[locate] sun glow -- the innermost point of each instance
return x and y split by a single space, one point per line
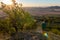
7 2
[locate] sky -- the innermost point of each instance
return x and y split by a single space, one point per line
39 3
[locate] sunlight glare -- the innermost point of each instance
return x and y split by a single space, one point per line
7 2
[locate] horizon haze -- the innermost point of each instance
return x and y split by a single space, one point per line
35 3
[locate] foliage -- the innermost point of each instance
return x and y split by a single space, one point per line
17 19
56 31
53 22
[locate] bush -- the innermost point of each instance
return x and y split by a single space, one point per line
17 19
56 31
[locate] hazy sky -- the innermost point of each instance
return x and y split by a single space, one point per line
39 3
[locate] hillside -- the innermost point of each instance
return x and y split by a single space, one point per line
43 11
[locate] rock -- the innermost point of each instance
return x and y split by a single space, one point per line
27 36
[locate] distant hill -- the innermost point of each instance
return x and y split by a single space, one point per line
54 7
37 11
43 10
2 15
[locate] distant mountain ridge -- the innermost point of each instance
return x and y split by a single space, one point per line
43 10
55 7
39 10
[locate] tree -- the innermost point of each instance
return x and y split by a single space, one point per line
18 19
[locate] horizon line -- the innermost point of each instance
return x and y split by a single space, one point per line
39 6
